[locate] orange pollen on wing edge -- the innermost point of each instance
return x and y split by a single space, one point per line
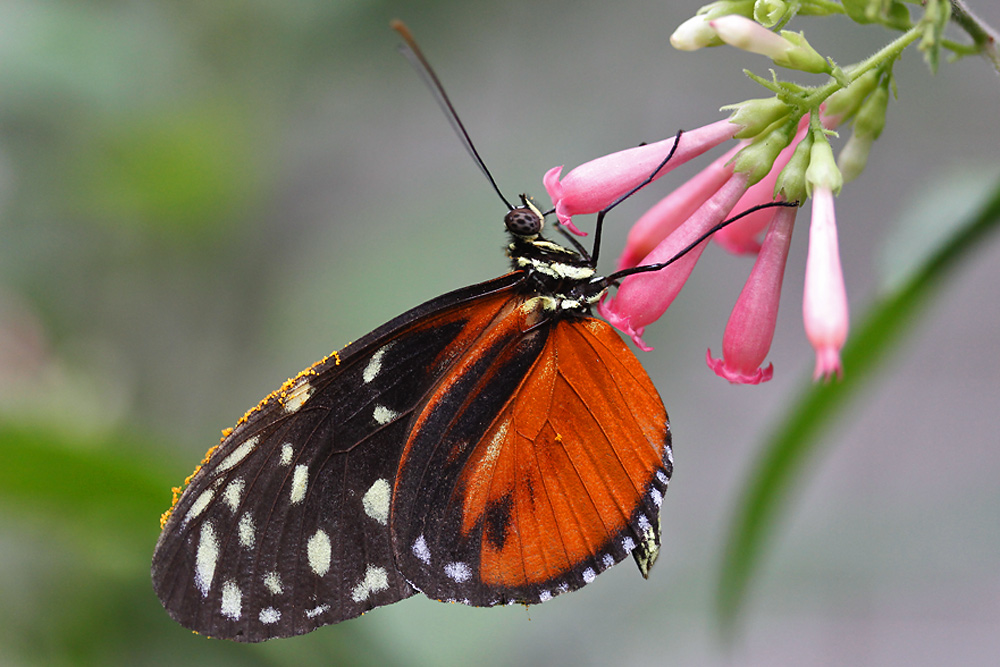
208 455
283 390
252 410
176 491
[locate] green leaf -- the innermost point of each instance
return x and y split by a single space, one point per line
795 441
93 484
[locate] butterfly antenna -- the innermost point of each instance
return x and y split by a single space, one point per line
416 57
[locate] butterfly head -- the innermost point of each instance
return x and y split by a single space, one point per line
525 221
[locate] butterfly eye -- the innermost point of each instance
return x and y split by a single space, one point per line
523 221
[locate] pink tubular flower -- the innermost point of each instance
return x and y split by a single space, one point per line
788 49
739 237
667 215
751 325
747 34
642 298
597 184
824 305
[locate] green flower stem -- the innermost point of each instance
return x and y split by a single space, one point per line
984 36
887 53
960 49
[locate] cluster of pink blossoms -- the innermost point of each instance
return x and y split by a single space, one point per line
728 185
783 155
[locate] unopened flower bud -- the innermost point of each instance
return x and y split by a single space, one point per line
853 156
757 159
822 172
769 12
789 49
802 56
755 116
694 34
791 183
845 102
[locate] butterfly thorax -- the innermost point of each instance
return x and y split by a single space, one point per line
561 277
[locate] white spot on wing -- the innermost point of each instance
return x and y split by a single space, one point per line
234 493
286 454
247 531
272 582
238 454
628 544
458 571
384 415
298 395
232 600
313 613
269 615
300 481
662 476
421 551
589 575
656 497
205 558
374 365
199 505
644 523
376 501
318 552
376 579
608 561
544 596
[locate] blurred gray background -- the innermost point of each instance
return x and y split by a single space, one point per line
197 200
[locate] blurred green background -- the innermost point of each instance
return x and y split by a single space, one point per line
198 199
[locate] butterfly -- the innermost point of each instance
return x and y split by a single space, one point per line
494 445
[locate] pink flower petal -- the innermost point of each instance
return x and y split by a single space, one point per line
750 329
746 34
595 185
642 298
664 217
735 377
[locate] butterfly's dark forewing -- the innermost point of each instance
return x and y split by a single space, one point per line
285 527
539 462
